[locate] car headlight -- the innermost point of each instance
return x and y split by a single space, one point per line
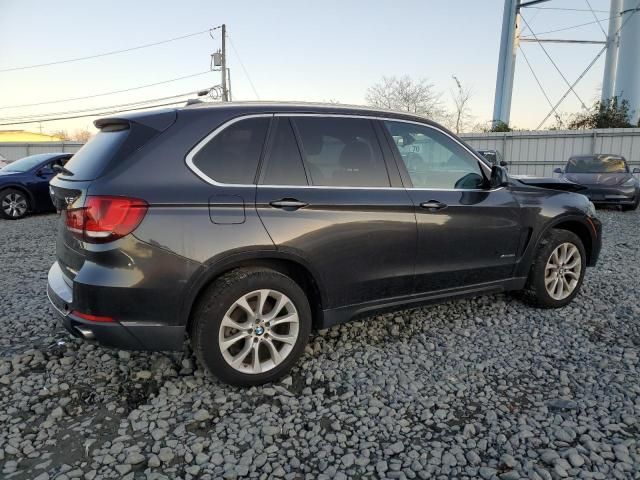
629 183
591 209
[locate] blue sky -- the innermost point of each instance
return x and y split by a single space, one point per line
293 50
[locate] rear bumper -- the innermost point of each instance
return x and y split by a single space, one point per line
121 335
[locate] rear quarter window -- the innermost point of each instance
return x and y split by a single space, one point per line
232 155
90 161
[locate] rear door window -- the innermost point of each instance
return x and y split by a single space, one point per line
284 165
89 162
342 152
232 156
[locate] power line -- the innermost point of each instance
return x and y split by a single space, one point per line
104 54
68 112
94 114
243 68
106 93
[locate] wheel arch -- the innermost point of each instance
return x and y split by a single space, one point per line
579 227
287 264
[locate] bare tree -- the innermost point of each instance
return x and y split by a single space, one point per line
82 135
461 98
383 93
61 134
404 93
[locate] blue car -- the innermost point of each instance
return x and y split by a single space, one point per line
24 184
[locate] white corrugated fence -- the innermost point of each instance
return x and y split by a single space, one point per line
13 150
538 153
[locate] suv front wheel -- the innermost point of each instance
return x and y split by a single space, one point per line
557 271
251 326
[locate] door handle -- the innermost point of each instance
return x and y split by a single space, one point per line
433 205
288 204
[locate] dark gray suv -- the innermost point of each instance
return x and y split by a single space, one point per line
244 226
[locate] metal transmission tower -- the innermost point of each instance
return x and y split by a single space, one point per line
611 61
627 80
622 69
507 61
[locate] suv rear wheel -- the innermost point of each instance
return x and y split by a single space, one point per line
13 204
557 271
251 326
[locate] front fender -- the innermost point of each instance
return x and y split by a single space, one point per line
580 224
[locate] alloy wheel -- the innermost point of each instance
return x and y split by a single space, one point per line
259 331
14 205
562 271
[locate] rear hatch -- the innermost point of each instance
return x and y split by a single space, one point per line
118 139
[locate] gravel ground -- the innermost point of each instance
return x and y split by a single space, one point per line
482 388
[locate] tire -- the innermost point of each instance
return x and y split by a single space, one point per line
220 302
14 204
535 291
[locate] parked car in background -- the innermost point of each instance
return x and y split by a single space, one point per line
245 225
494 157
607 178
24 184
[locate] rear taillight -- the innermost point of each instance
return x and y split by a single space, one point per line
93 318
105 219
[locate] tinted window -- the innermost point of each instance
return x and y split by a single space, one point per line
232 156
596 165
91 159
342 152
284 166
433 159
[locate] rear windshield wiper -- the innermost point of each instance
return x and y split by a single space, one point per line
63 171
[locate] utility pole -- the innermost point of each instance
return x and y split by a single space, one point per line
223 66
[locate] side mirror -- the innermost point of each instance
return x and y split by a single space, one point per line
557 170
636 170
499 177
504 163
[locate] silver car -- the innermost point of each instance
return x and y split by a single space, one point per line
607 178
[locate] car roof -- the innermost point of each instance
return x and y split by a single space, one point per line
247 108
303 107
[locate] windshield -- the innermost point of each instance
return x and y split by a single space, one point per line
596 165
27 163
489 155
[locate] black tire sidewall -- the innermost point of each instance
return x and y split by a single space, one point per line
9 191
553 239
218 299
